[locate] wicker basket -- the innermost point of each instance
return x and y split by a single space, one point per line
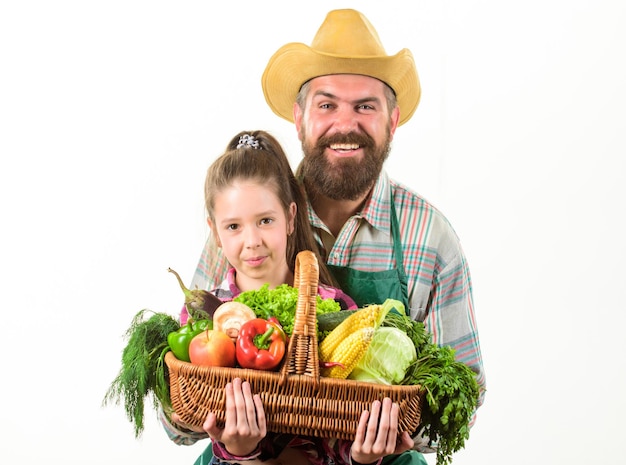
295 398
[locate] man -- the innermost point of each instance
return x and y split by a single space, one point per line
381 240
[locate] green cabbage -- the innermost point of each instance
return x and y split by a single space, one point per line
387 359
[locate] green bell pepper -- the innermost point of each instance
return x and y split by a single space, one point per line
179 340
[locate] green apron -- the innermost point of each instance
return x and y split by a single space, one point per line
410 457
206 457
374 287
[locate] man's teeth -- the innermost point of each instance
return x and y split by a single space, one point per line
344 146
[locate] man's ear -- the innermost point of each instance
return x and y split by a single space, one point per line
297 117
393 121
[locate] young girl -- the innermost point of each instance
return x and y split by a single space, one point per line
257 216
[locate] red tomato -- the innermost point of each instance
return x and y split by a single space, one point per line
212 348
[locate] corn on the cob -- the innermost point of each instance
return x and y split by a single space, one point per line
349 352
365 317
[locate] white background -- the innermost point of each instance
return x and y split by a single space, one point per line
110 113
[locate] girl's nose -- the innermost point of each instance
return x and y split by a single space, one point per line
252 238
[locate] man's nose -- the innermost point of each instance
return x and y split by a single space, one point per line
345 120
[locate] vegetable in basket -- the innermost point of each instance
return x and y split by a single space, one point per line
142 372
348 342
280 303
387 359
212 348
229 317
179 340
260 344
200 304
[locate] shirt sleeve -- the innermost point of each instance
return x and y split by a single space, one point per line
451 321
178 435
451 318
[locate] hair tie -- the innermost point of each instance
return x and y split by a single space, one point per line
248 140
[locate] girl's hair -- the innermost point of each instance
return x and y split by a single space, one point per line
258 156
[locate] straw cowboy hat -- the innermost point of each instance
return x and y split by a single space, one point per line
346 43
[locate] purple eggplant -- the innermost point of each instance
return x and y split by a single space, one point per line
200 304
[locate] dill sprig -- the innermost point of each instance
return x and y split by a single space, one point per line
143 372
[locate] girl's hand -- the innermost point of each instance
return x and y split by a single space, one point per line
245 420
377 433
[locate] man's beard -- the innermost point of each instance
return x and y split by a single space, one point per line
345 178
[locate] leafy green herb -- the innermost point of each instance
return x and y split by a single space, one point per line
280 302
450 387
143 371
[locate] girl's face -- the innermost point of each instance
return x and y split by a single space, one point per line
251 228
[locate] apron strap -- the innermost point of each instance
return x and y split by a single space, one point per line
398 254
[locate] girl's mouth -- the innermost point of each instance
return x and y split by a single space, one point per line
255 261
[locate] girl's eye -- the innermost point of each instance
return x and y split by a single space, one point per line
266 221
232 227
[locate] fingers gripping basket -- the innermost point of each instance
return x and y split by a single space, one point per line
295 398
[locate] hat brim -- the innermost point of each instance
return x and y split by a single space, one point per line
295 63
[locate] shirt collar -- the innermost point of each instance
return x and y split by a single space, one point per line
376 210
232 285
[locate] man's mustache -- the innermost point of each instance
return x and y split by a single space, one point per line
360 139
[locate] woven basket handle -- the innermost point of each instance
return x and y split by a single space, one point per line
302 355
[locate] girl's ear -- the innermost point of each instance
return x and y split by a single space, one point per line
214 232
291 220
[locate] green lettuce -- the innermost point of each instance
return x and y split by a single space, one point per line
281 302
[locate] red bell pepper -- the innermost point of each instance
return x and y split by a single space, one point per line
260 344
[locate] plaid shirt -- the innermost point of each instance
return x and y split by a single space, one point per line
439 282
